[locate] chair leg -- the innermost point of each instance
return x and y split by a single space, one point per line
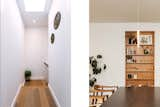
103 100
96 101
107 96
92 101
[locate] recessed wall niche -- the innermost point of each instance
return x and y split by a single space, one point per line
139 58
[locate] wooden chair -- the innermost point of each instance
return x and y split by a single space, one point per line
96 99
100 94
105 90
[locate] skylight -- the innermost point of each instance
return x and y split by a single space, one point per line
34 5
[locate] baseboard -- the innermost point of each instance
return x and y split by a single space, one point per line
37 78
33 78
23 83
54 96
15 98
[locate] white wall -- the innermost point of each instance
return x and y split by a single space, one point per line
108 39
79 53
0 49
36 51
59 53
12 53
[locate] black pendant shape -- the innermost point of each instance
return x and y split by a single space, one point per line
104 66
99 56
94 63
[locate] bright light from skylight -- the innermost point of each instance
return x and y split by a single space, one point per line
34 5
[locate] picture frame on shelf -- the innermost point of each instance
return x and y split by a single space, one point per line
145 40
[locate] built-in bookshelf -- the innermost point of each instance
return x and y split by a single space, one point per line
139 58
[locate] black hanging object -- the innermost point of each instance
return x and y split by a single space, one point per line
94 63
94 79
52 38
94 70
100 70
99 56
104 66
90 59
57 20
91 83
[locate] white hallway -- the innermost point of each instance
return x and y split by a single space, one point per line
25 44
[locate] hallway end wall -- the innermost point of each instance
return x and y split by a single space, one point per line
36 51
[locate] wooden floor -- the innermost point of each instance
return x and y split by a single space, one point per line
35 94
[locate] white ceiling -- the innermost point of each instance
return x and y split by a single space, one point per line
124 10
40 17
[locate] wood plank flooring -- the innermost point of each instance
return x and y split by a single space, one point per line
35 94
36 83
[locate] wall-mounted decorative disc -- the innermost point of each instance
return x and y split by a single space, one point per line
57 20
52 38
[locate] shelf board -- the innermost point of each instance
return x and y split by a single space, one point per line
139 63
137 45
140 71
131 45
138 55
140 79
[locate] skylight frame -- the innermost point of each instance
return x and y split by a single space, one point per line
34 5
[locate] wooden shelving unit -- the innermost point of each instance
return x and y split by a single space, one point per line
139 58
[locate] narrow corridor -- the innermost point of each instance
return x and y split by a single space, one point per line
35 44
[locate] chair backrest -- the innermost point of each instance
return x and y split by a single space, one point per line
102 86
101 94
106 88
